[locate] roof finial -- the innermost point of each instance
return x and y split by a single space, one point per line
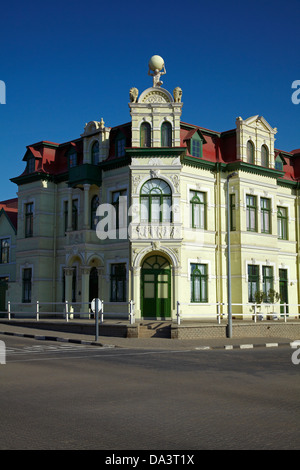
157 65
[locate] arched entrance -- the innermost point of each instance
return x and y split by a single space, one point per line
93 284
156 287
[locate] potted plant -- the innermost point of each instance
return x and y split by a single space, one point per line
273 298
259 297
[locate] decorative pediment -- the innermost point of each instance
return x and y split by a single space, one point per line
196 133
259 122
155 95
93 126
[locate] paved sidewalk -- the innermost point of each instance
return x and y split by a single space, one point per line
144 343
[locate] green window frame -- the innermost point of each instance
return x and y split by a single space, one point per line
31 165
265 211
74 282
145 135
250 152
95 153
72 158
115 200
264 156
282 223
196 148
29 220
4 247
120 146
253 281
232 212
65 216
75 214
94 206
156 201
118 282
251 213
283 289
278 164
198 209
26 285
267 280
199 283
166 134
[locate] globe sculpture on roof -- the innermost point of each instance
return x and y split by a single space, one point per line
157 66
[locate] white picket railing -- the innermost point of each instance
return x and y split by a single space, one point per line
254 316
69 309
113 309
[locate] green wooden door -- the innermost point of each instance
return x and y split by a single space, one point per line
156 288
3 289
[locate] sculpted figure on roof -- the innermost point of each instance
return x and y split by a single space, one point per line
177 93
133 94
157 65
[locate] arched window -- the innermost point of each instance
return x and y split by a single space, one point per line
145 134
250 152
264 156
94 218
166 134
156 201
95 153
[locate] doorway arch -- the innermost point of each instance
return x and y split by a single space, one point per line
93 284
156 287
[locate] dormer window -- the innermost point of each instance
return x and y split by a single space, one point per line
196 147
120 147
72 158
278 164
31 165
120 143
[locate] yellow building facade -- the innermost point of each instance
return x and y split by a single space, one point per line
165 184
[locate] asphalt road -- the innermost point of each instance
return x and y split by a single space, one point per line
68 396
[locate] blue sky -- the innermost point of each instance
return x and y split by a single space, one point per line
66 63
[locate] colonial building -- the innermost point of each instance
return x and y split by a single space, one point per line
8 230
165 182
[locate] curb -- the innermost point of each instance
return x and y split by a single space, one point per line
292 344
56 338
247 346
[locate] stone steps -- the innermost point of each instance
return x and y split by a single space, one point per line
155 330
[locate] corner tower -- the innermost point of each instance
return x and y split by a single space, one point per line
155 113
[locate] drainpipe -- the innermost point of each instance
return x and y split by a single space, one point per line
229 326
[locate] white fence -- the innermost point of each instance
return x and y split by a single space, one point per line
184 311
291 311
71 310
